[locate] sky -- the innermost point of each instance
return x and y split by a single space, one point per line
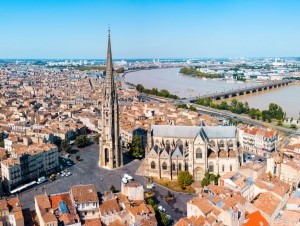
77 29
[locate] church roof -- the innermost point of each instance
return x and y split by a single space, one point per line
175 131
210 132
220 131
177 153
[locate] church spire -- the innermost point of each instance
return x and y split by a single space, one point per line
109 64
110 146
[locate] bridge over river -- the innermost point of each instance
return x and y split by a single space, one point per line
242 91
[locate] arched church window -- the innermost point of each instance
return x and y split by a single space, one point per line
173 166
164 166
179 167
153 165
198 153
221 144
179 144
230 144
186 166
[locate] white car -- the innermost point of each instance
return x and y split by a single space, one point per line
161 209
69 174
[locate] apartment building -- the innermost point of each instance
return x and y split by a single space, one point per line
86 200
11 212
28 162
257 140
43 211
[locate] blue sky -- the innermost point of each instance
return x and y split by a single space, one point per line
149 29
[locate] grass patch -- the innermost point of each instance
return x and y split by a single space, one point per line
173 185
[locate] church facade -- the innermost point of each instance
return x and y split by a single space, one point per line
196 149
110 146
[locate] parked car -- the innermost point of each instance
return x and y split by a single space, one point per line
161 209
41 180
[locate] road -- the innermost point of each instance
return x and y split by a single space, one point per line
218 113
88 172
238 117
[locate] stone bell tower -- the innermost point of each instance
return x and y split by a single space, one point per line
110 149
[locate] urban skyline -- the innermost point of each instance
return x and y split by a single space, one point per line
151 29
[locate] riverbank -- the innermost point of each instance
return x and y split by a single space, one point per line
186 86
196 73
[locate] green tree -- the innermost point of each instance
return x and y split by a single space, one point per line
257 114
276 111
164 219
154 91
2 144
204 182
252 113
208 178
192 108
164 93
65 146
184 179
150 202
140 88
136 147
81 141
279 123
246 107
233 105
224 105
96 139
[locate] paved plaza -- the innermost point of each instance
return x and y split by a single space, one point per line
87 171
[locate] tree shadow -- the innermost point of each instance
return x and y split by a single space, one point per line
127 158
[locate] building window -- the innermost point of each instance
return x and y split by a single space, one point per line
179 167
186 166
198 153
211 167
152 165
173 166
230 167
223 167
164 166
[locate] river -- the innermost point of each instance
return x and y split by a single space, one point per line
287 97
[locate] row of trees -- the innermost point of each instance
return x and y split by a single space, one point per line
80 142
156 92
235 106
194 72
162 218
210 178
184 106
